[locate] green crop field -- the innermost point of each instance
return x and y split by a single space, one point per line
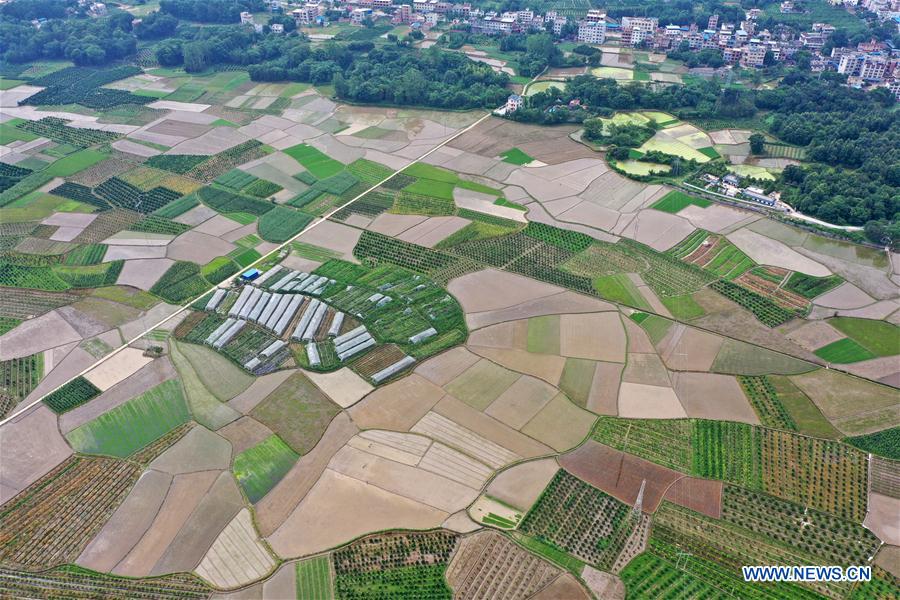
314 579
619 288
885 443
180 282
88 254
282 223
75 393
683 308
134 424
844 351
809 286
675 201
74 163
314 160
219 269
878 337
516 157
259 468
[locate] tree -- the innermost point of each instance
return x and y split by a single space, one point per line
194 54
757 143
168 53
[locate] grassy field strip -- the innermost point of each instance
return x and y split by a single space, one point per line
284 244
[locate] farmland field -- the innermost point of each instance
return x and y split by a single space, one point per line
401 565
780 463
49 523
508 364
134 424
579 519
314 579
259 468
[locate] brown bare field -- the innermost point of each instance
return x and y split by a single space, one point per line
701 495
638 342
604 585
647 369
258 390
489 428
488 565
814 335
511 334
396 406
51 522
882 518
192 540
520 485
619 474
30 446
199 450
543 366
521 401
362 508
411 482
604 396
550 145
343 386
555 304
713 396
688 349
565 586
598 336
244 433
275 506
128 523
444 367
888 558
185 493
490 290
641 401
560 424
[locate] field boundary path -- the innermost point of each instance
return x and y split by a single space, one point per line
319 220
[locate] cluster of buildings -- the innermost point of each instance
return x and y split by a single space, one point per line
731 186
743 44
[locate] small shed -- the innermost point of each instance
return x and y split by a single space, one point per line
250 274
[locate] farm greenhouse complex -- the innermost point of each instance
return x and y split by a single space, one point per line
420 300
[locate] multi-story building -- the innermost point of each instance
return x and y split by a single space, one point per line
873 68
713 22
636 30
382 4
869 68
754 54
813 39
493 24
591 32
404 13
306 14
850 63
595 16
514 102
732 55
246 18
